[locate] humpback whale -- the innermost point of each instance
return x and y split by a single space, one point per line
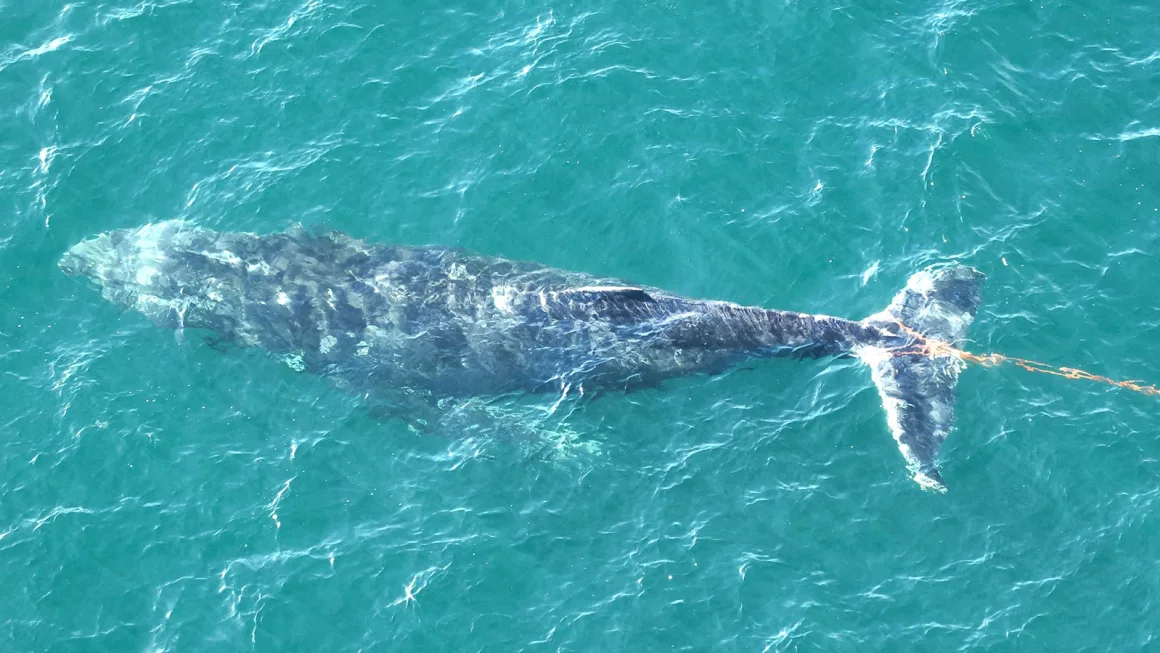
444 322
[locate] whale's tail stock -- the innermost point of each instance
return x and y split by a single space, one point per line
915 372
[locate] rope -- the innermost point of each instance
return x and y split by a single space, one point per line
938 348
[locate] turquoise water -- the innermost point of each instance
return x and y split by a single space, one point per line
159 495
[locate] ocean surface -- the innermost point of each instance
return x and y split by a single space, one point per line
157 494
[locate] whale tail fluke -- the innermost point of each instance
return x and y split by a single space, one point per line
918 388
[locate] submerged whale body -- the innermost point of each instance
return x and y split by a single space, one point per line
444 322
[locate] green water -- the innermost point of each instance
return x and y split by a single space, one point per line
159 495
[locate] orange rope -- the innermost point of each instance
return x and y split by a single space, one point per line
936 348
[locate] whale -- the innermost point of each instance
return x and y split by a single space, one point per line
439 322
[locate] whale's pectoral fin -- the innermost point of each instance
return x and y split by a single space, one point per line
420 411
915 380
223 343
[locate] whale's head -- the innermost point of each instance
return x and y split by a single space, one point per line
144 269
99 258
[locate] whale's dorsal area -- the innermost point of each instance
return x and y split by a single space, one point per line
609 293
445 322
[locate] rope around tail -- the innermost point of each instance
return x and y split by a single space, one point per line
938 348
